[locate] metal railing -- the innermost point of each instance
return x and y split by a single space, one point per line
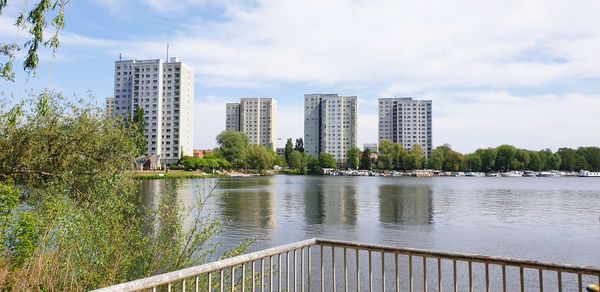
331 265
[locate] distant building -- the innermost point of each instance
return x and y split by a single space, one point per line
330 124
280 151
109 105
165 91
199 153
406 121
256 117
371 146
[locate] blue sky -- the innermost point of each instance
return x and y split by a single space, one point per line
520 72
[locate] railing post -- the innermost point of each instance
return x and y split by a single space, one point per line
383 271
357 272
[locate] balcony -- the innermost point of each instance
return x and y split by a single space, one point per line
329 265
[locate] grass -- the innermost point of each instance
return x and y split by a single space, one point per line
172 174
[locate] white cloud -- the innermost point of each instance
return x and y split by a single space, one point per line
441 43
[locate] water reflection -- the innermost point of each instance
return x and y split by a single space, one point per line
330 203
405 204
248 202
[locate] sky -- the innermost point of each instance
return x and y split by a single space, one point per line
525 72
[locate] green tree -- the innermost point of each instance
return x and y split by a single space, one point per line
365 160
568 159
233 146
436 159
312 164
472 162
76 223
353 158
416 158
504 157
35 21
592 156
488 159
139 126
299 145
259 158
298 161
326 160
289 148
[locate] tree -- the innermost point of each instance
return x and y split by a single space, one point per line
312 164
259 158
299 145
326 160
504 157
365 160
233 146
353 158
416 158
472 162
36 22
70 213
298 161
568 159
436 159
289 148
488 158
592 156
139 124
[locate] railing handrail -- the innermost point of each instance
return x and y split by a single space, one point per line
186 273
463 257
174 276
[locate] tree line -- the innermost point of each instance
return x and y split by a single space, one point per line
393 156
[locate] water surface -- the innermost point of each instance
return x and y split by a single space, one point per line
548 219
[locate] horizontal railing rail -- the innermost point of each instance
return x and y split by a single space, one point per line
329 265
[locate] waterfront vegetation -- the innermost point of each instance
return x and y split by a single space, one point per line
71 216
235 153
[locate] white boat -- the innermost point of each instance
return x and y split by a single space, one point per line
550 174
514 173
491 174
529 173
585 173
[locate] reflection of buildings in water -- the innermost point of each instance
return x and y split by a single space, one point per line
334 203
249 202
406 204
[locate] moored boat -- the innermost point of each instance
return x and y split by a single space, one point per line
585 173
514 173
529 173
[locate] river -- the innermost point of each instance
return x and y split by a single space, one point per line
547 219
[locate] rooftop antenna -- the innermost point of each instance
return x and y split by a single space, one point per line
120 57
167 52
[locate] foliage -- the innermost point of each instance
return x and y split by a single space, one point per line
326 160
289 148
365 160
416 158
233 146
353 158
208 162
299 145
35 20
312 164
259 158
298 161
139 124
75 221
392 155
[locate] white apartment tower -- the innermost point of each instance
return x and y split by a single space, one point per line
110 105
406 121
165 91
256 117
330 124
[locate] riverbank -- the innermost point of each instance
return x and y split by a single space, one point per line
173 174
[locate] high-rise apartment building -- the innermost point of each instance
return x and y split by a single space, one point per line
330 124
109 105
165 92
256 117
406 121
